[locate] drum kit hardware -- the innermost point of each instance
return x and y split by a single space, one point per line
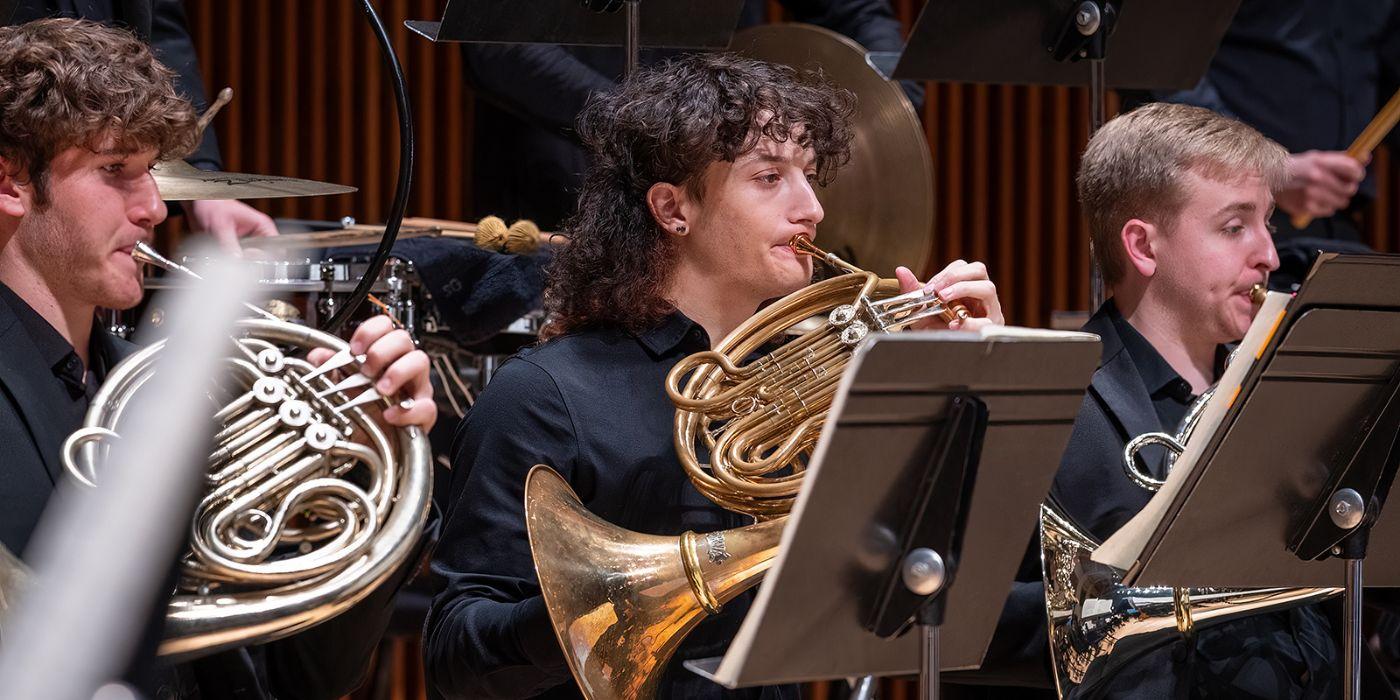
308 289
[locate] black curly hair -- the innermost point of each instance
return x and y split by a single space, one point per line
668 124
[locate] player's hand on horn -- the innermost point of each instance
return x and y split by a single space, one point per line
399 369
962 281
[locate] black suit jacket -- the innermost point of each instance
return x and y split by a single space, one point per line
161 23
31 432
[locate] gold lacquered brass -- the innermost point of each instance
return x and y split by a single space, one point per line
760 421
621 602
1257 294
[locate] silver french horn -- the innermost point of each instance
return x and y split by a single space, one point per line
309 502
1095 623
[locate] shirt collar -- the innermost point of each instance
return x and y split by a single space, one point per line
671 332
1157 374
54 350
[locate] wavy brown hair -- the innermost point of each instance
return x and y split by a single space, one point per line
668 124
66 83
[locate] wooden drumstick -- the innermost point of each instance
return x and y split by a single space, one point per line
222 99
1366 142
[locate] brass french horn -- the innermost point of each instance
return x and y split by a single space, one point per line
621 602
1095 623
309 502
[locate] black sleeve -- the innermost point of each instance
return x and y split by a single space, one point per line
488 634
170 39
1017 653
871 23
541 83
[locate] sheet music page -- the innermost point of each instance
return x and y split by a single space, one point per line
1013 332
1125 546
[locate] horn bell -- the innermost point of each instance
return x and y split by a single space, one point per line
1096 624
621 602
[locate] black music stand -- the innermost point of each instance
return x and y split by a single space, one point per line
889 507
1031 43
1036 43
1291 485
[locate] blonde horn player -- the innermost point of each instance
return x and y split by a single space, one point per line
1178 201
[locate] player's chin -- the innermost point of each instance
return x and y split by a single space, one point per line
793 277
122 294
1238 325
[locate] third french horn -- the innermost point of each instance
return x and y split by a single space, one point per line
1096 624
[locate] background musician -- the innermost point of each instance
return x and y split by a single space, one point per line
1308 74
1178 200
85 111
529 158
161 23
703 169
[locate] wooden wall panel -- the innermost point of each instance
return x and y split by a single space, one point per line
311 100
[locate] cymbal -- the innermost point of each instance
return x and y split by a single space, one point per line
179 181
879 208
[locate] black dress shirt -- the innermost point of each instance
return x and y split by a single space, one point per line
592 406
1288 654
1171 395
55 352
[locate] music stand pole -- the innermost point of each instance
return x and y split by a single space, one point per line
634 36
1084 37
1341 519
1351 648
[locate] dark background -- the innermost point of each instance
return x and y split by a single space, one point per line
311 99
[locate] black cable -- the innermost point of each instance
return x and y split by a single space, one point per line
405 180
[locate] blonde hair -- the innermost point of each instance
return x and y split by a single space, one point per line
1135 168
